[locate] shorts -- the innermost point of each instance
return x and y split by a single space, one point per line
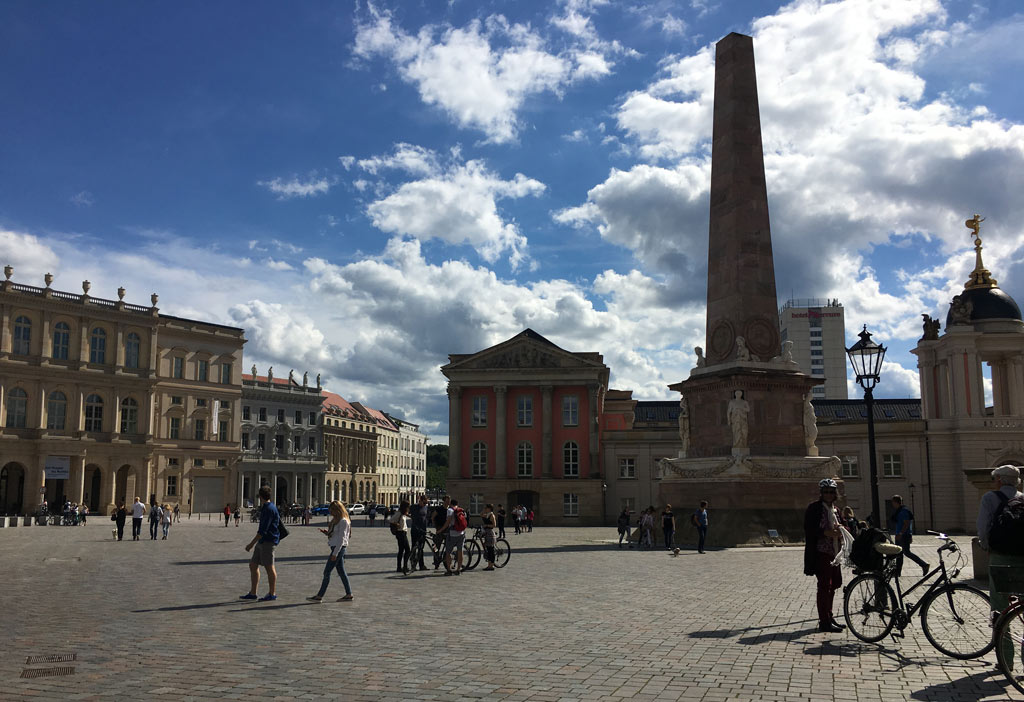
453 542
263 554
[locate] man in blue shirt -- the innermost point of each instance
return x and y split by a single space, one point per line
902 528
700 518
264 542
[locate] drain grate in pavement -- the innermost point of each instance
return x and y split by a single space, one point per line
55 658
47 672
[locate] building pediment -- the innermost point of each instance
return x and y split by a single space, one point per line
524 351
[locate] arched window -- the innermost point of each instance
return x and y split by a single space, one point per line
56 410
17 408
524 460
61 341
98 346
479 460
571 460
344 496
94 413
361 486
132 345
129 416
374 486
22 336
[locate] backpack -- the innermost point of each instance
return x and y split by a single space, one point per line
395 528
1006 535
693 519
623 521
863 554
459 521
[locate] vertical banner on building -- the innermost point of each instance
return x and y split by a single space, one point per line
57 467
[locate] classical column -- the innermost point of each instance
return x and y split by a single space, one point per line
594 470
77 492
454 431
119 351
295 487
45 337
108 484
546 420
500 433
41 413
35 478
273 487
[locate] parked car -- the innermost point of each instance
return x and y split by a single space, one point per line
356 508
321 509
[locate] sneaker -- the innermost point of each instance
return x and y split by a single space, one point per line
247 596
315 598
268 598
346 598
489 568
449 572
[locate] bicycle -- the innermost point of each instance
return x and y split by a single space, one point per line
955 616
1008 632
502 550
470 551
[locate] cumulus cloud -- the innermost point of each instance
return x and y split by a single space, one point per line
480 74
285 189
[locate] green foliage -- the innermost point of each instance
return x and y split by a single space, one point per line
437 466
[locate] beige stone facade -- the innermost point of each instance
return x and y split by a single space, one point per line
97 382
350 441
412 459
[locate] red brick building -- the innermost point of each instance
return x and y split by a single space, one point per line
525 423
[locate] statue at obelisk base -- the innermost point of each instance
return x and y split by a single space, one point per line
749 446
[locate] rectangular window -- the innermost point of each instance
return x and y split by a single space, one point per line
225 373
849 466
892 465
524 460
222 431
312 444
200 402
172 485
815 333
479 460
817 352
245 440
261 442
570 411
203 371
476 503
312 419
298 417
172 461
175 399
479 418
175 427
200 429
198 462
246 413
524 411
263 414
178 367
570 505
628 503
627 468
222 463
280 416
571 460
279 443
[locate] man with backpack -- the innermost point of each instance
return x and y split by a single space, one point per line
456 523
1001 528
901 524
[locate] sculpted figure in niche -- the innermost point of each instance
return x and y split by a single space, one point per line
931 328
701 361
810 425
960 310
684 426
737 413
786 356
742 352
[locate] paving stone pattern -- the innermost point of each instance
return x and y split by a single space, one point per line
572 617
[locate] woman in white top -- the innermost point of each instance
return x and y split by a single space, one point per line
338 531
400 528
165 519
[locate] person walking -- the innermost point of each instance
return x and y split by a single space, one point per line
177 513
901 525
372 514
138 512
262 546
490 523
700 520
85 513
120 517
623 526
501 522
400 528
337 532
529 520
517 519
155 515
420 513
823 540
165 520
647 528
668 526
227 515
237 512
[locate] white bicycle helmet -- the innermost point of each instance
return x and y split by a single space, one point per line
827 483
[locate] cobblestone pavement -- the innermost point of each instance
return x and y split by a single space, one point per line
572 617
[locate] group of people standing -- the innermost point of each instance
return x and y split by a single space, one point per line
646 522
160 518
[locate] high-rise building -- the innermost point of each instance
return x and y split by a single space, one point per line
817 329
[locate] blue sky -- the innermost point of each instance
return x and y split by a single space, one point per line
369 187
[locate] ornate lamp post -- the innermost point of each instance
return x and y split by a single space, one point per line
866 358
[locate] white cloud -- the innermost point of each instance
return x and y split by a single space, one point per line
28 255
83 199
277 265
296 187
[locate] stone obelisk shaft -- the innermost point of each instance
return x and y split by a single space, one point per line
741 272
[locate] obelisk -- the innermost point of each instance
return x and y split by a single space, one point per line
741 271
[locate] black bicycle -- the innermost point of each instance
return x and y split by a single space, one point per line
1009 625
475 549
470 551
955 616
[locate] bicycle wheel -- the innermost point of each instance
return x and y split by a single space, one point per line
501 553
868 607
470 554
956 620
1009 642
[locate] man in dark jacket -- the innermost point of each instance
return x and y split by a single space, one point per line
822 533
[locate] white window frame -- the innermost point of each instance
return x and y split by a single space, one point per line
570 411
524 411
570 461
478 418
892 465
570 504
849 466
524 459
627 468
478 460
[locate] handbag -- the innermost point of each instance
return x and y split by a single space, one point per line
113 517
282 531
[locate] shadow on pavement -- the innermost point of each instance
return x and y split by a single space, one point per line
981 685
727 633
185 607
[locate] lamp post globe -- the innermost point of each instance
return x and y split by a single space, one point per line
866 359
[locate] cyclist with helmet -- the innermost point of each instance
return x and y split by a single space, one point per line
823 540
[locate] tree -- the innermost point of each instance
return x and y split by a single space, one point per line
437 466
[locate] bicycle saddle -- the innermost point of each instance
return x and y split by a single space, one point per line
887 549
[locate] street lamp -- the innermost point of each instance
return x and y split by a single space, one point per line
866 358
